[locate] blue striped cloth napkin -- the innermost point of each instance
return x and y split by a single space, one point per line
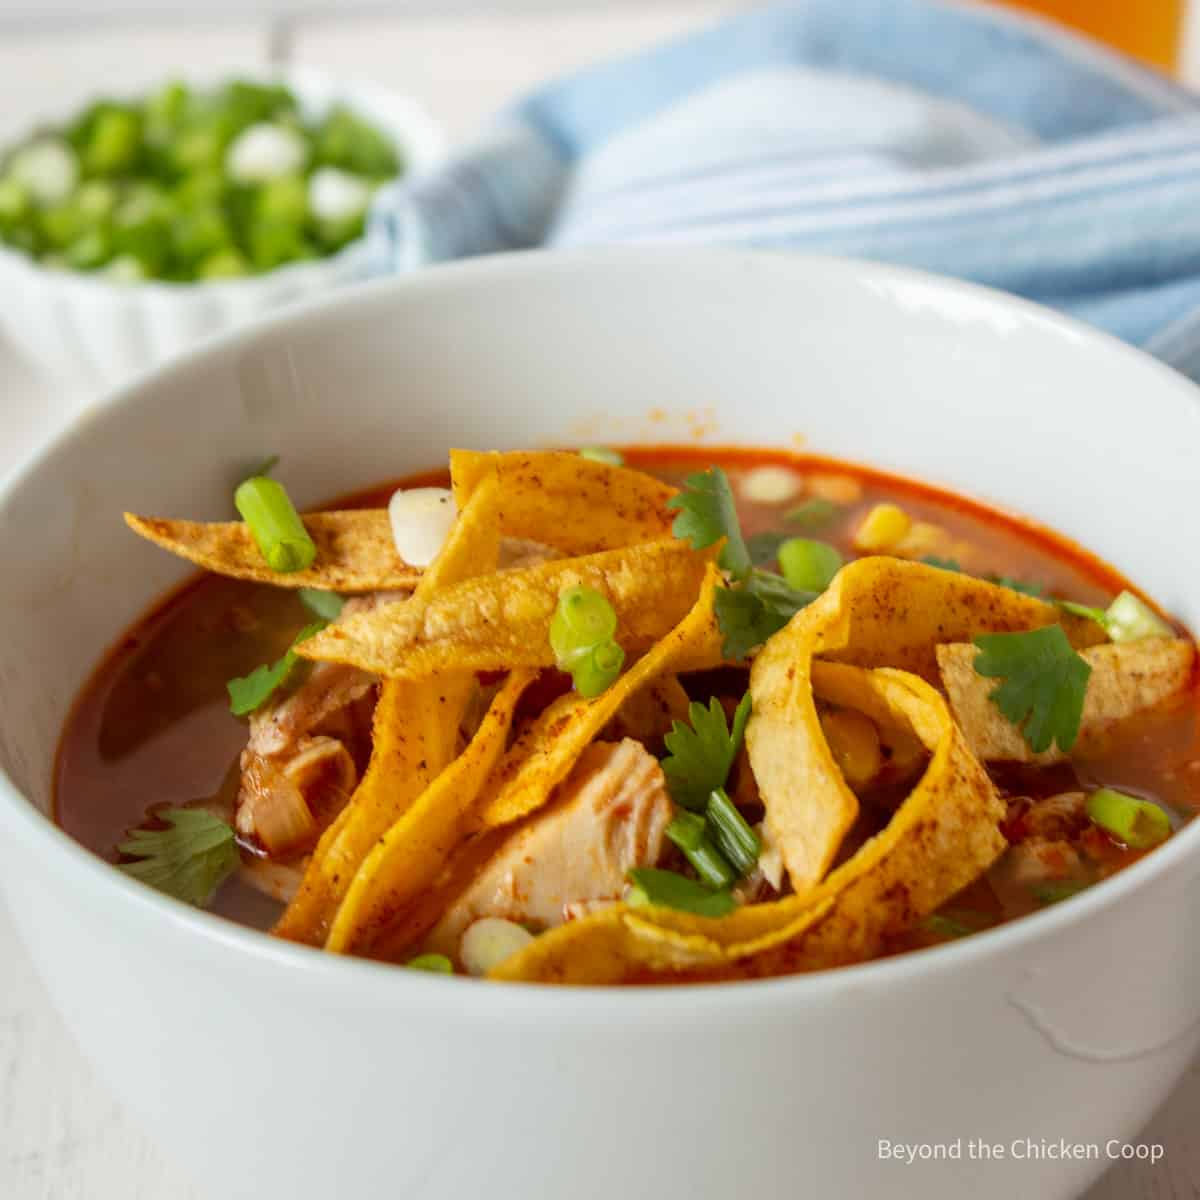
957 137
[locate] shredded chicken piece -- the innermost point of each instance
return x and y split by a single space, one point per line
301 760
609 816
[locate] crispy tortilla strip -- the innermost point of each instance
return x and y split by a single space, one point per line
411 854
355 551
941 838
414 737
574 504
1125 679
546 753
500 621
878 612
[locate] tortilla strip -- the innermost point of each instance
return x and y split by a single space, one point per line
409 856
877 612
1125 679
575 504
941 838
502 620
546 753
649 713
414 737
355 551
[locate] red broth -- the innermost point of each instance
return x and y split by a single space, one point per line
152 727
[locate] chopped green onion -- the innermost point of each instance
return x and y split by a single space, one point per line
689 832
1086 611
1139 824
602 454
323 604
945 926
1131 620
812 514
807 565
671 890
732 834
439 964
595 672
582 619
1025 587
275 524
251 691
1057 890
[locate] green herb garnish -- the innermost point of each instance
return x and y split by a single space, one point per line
275 525
1023 586
1045 682
731 833
582 637
189 859
1126 619
602 454
323 604
439 964
1056 891
672 890
813 514
708 513
809 565
944 564
758 603
701 756
945 926
689 832
250 691
1136 823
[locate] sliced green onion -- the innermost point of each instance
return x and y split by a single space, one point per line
945 926
323 604
595 673
812 514
252 691
275 524
732 834
807 565
1086 611
1130 620
1139 824
690 833
671 890
437 963
583 619
1057 890
602 454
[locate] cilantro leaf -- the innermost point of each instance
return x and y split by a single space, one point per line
251 691
707 514
1045 682
701 757
189 859
764 547
1018 585
323 604
944 564
1085 610
812 514
750 614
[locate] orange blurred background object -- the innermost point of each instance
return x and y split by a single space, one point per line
1151 30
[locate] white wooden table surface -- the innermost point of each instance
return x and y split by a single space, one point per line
62 1137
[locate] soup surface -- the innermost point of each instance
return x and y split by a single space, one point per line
153 731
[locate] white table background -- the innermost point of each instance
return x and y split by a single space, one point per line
62 1136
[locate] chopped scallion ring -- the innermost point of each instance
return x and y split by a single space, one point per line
439 964
595 673
1139 824
582 638
808 565
1130 620
275 525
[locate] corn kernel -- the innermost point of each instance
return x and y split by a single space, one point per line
854 742
883 528
770 485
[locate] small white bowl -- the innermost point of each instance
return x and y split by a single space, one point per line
92 332
270 1068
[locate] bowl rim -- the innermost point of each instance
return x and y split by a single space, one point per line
35 833
409 125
